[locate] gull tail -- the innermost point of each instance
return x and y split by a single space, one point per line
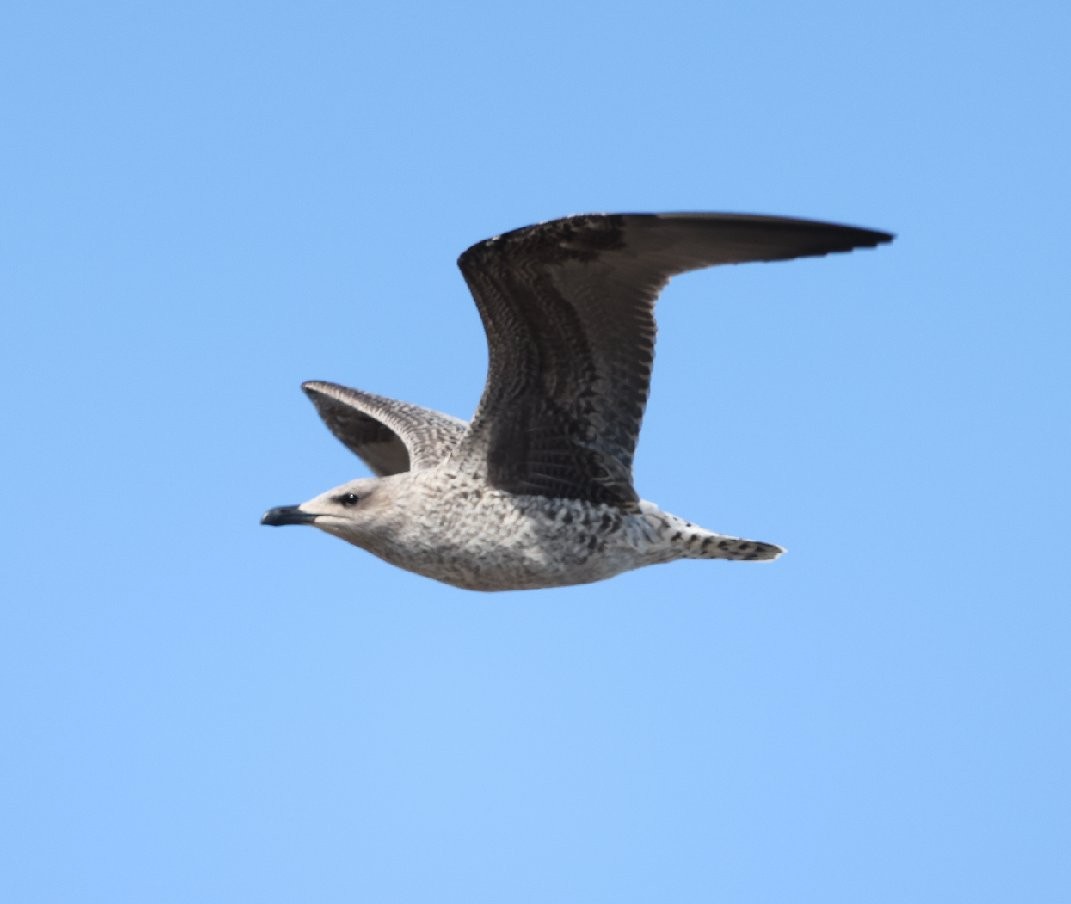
704 545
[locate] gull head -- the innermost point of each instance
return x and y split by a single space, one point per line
353 511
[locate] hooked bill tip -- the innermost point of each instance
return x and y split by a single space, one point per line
286 514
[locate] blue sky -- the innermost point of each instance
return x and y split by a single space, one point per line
204 204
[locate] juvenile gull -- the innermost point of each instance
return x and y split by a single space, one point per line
537 490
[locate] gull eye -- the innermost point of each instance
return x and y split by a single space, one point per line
348 499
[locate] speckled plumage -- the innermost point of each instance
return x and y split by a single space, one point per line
537 490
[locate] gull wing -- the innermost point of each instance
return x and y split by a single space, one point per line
390 436
568 307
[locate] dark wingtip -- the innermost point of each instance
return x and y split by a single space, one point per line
875 237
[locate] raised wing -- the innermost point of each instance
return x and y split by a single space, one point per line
568 307
390 436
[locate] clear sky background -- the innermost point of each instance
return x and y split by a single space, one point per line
204 204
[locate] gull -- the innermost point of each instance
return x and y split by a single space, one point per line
536 490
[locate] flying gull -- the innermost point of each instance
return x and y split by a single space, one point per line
536 491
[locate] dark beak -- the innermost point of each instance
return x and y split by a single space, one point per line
286 514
